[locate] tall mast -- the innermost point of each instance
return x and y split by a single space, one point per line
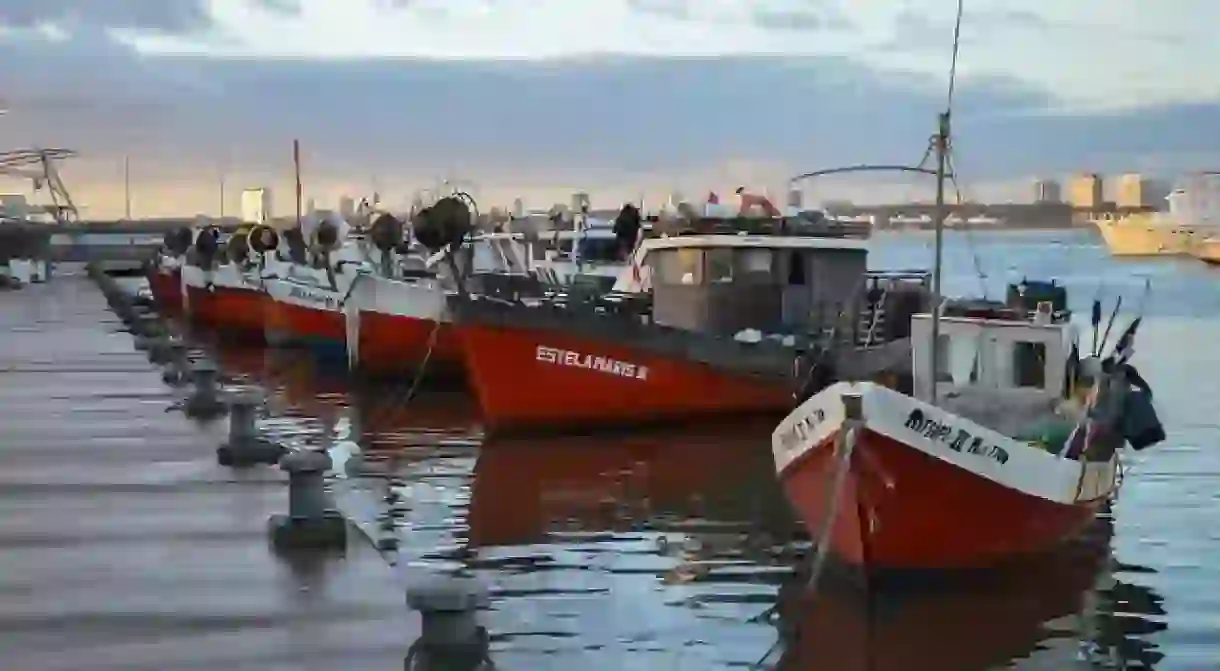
942 162
942 152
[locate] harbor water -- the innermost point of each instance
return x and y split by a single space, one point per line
675 549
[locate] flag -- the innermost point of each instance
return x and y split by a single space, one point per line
712 198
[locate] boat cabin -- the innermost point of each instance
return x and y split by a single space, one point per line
1011 353
789 280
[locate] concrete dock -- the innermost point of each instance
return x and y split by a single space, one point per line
124 546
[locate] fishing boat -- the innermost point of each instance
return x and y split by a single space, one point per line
397 321
164 270
1008 456
704 322
307 291
222 280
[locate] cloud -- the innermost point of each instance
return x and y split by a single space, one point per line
171 16
613 124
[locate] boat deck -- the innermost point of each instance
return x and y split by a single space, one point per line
126 547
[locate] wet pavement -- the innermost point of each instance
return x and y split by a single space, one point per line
124 546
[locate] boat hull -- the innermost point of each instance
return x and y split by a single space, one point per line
541 379
301 313
400 328
1207 251
925 491
1133 237
224 300
166 287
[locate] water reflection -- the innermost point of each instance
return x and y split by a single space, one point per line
658 550
535 491
1061 611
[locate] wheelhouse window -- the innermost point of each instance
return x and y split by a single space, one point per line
719 266
755 265
599 250
678 266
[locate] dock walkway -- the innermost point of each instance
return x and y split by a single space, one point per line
125 547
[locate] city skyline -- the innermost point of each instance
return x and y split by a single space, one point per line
523 99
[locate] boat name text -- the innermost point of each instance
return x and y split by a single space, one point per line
324 299
563 357
957 440
799 432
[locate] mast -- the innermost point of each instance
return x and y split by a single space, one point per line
296 167
942 151
942 160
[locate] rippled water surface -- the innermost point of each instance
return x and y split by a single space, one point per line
668 550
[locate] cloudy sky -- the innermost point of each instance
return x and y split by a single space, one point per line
618 97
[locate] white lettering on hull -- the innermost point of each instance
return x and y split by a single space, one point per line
601 364
324 300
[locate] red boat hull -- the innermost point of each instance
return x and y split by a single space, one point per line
397 345
903 510
288 323
166 287
531 380
228 309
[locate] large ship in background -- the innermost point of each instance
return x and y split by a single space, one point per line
1193 216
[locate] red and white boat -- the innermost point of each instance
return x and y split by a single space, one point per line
306 299
223 288
704 328
397 320
967 466
165 270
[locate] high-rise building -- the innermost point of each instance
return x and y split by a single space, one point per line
1135 190
1047 191
1087 191
518 210
256 205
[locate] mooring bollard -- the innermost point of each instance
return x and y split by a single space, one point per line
451 637
177 368
204 401
387 525
147 325
245 447
311 522
162 349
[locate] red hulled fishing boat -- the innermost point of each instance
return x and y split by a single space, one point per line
704 323
223 283
966 466
165 270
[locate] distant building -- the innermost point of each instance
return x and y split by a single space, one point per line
1087 192
347 207
1047 191
518 209
256 205
1135 190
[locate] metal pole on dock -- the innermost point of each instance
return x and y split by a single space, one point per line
126 188
296 166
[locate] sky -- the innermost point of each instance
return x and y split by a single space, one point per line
621 98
